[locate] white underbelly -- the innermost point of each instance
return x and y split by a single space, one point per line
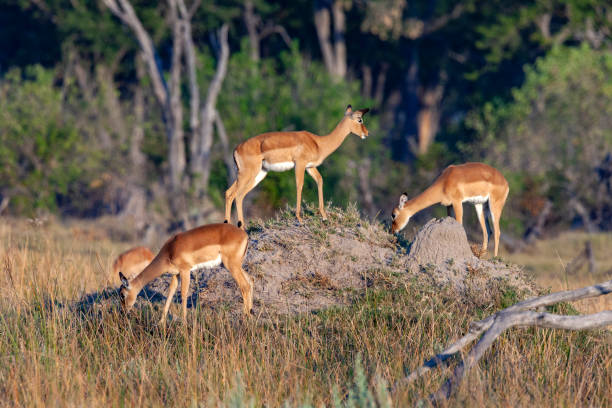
476 199
279 166
207 264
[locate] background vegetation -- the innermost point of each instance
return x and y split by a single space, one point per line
118 117
85 130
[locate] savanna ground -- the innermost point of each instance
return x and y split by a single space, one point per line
56 351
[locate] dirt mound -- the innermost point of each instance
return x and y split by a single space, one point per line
302 267
441 251
316 265
440 240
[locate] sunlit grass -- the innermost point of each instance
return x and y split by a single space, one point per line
547 259
57 352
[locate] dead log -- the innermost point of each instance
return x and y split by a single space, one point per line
517 315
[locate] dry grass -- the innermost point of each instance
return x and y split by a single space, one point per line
56 352
547 259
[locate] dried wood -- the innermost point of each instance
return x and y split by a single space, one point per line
517 315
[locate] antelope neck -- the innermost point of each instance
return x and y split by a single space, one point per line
426 199
144 277
334 139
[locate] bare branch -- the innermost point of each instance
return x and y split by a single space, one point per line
536 229
416 28
251 20
506 320
322 24
228 158
123 10
201 149
339 42
190 61
270 29
4 203
192 10
479 327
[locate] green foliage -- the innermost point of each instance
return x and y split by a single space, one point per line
41 151
555 130
292 93
532 26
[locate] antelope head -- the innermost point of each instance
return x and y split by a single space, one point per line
356 121
400 215
128 296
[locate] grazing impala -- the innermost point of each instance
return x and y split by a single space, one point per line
280 151
132 261
203 247
476 183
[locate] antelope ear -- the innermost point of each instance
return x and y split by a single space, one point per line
364 111
124 282
348 111
402 200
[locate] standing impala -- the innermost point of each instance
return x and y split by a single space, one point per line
280 151
132 261
203 247
476 183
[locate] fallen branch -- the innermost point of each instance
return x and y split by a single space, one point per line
517 315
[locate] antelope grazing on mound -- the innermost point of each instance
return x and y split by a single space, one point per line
203 247
131 262
280 151
476 183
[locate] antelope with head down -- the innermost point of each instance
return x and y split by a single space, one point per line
476 183
203 247
131 262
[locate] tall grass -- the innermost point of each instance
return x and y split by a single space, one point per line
546 261
55 351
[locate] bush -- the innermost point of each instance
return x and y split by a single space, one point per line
551 136
42 154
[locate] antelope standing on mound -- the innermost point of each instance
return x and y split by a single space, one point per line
280 151
476 183
203 247
132 261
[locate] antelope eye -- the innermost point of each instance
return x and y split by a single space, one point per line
393 216
360 120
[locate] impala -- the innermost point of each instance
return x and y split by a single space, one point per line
132 261
280 151
203 247
476 183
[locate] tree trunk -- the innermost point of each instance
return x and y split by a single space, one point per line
106 86
409 108
332 48
137 200
381 79
339 42
250 21
201 155
428 117
176 139
228 156
366 85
